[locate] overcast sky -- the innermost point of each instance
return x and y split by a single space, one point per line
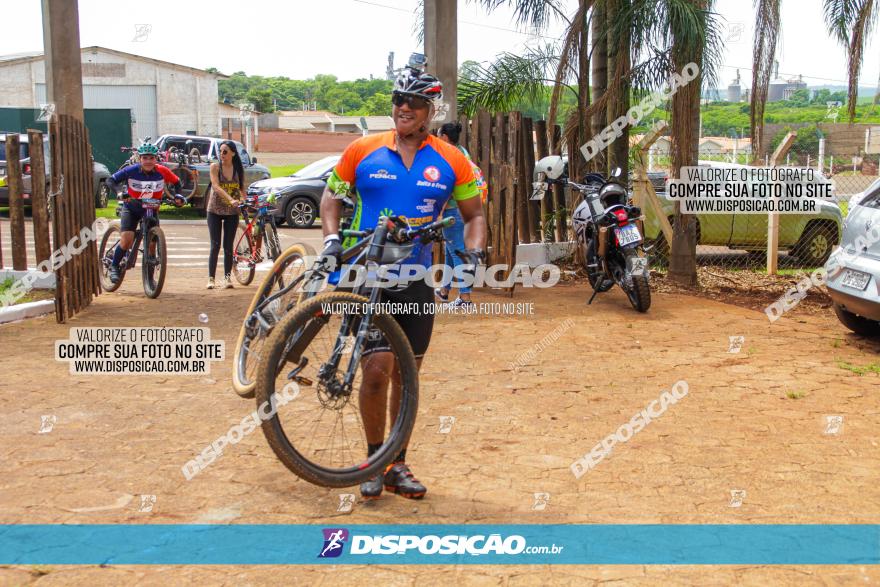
352 38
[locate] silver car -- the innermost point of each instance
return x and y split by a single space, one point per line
853 270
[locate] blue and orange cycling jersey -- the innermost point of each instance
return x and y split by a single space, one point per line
142 184
372 170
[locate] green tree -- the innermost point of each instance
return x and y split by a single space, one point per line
261 98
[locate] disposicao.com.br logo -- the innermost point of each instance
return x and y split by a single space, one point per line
431 544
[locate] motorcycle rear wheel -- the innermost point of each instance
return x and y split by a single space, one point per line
640 293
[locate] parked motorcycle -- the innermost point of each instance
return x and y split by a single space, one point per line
608 230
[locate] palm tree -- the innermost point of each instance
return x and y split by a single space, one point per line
635 46
850 22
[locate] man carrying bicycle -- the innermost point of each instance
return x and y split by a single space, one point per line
407 173
144 180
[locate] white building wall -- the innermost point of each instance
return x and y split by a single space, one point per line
17 86
185 100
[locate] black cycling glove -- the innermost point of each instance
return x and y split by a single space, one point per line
331 256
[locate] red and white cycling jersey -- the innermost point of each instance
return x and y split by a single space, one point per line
145 185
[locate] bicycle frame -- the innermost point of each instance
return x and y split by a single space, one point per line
146 223
376 241
259 218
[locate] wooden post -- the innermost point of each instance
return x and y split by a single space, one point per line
773 217
441 42
518 160
643 190
559 211
39 206
16 202
487 165
63 62
541 151
528 160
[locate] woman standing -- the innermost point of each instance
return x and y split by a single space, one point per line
227 183
454 235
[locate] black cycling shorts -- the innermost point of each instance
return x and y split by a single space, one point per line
415 322
131 215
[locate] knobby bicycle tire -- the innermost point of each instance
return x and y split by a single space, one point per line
152 288
243 386
399 434
104 276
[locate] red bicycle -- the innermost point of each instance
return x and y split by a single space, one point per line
259 229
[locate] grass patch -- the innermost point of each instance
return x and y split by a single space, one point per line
795 394
33 295
282 170
870 368
166 212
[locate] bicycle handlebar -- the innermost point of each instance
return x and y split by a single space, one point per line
405 233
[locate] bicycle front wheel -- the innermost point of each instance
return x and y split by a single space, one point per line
273 243
109 242
252 336
155 262
318 424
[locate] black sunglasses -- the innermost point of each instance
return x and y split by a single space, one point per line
414 102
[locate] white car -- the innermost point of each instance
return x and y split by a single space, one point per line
853 270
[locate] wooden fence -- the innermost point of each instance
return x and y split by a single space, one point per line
505 147
35 196
72 204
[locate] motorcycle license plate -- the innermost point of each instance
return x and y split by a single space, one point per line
151 203
628 234
856 279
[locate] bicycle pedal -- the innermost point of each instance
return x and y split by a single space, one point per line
303 381
294 373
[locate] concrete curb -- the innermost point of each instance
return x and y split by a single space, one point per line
28 310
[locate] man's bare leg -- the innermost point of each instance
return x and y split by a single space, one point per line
378 369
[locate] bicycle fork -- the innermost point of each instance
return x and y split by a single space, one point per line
332 365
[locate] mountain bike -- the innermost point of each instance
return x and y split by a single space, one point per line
319 345
254 232
154 263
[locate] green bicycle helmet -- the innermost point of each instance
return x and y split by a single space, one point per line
148 149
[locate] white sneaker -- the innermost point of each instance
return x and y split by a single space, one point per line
210 283
227 283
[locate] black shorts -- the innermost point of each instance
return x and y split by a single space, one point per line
415 322
131 215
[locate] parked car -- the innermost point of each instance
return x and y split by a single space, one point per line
299 195
810 237
210 151
100 173
853 271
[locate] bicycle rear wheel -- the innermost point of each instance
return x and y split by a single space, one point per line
154 265
109 242
317 426
252 336
243 267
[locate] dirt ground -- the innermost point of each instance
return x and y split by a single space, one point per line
279 141
753 420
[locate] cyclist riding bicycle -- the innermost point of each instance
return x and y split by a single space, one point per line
406 172
144 180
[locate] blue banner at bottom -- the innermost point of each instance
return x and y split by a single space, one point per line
600 544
